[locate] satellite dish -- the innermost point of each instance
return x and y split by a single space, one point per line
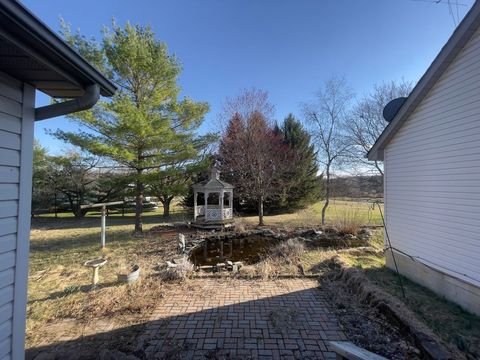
391 109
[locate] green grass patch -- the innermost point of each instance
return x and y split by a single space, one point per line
362 210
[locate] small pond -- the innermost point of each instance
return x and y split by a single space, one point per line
249 250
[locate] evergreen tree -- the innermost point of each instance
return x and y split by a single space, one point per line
175 180
302 187
145 125
43 193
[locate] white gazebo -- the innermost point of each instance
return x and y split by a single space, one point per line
215 215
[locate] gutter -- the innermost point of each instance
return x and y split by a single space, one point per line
90 98
45 41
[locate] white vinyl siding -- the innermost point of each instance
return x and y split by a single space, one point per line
432 173
16 132
10 128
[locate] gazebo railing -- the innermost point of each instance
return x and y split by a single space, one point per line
213 212
227 213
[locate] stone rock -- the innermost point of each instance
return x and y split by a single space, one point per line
171 264
309 233
269 232
331 231
181 239
365 234
239 264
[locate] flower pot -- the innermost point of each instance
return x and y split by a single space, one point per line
130 277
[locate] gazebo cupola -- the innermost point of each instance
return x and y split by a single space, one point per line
213 213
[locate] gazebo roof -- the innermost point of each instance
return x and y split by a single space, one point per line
213 182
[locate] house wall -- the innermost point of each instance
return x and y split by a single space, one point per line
16 142
432 184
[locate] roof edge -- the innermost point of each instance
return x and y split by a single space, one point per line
456 42
39 30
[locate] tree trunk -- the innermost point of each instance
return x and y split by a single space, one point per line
379 169
75 206
260 211
138 203
166 207
327 196
79 213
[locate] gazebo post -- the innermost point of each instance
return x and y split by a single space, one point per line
220 202
195 194
206 203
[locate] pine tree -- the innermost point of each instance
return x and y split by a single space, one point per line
303 185
145 126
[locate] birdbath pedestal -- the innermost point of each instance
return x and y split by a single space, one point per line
95 264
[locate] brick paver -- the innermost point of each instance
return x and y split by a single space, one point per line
243 319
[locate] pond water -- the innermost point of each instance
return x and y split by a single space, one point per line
249 250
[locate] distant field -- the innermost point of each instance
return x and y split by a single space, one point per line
359 209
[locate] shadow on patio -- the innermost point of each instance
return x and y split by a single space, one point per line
232 319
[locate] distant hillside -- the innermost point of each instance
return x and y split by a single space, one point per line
358 186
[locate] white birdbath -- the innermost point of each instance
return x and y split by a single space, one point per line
95 264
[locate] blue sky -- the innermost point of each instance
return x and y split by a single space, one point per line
287 47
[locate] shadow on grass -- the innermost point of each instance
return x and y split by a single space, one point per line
77 243
293 325
84 235
73 289
92 220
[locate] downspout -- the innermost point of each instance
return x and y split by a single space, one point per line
86 101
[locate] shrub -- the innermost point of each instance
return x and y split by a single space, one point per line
348 221
289 250
181 272
240 224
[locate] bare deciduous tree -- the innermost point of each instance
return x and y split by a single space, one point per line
366 123
327 116
245 104
252 155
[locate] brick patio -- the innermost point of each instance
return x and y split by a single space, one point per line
243 319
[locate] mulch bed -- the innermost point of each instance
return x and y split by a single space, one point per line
375 320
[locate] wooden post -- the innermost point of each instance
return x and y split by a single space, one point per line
104 213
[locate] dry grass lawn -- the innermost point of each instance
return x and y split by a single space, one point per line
60 300
59 284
